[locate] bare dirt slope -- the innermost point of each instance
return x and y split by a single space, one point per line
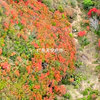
87 56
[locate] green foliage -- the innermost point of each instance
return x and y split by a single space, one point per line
89 94
1 41
96 4
73 3
67 96
55 98
83 41
97 32
20 26
57 63
65 81
63 16
78 63
45 70
47 2
84 98
89 89
87 3
70 34
60 8
52 10
77 78
85 92
53 23
30 84
97 68
23 48
22 70
2 84
93 92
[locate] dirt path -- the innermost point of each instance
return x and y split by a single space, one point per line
87 56
78 19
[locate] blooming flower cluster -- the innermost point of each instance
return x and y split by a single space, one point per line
91 11
94 10
95 21
81 33
99 43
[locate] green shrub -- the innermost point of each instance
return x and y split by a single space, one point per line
83 41
2 84
78 63
47 2
87 3
94 91
96 4
67 96
85 92
84 98
60 8
97 69
97 32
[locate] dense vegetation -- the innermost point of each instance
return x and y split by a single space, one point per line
36 50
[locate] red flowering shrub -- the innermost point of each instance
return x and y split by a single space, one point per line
81 33
93 10
97 13
62 89
94 22
26 29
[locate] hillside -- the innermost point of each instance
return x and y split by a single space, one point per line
49 50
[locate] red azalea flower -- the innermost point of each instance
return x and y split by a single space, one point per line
28 69
17 73
23 21
35 44
92 10
99 43
81 33
0 51
6 25
98 12
5 65
7 13
88 28
37 86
